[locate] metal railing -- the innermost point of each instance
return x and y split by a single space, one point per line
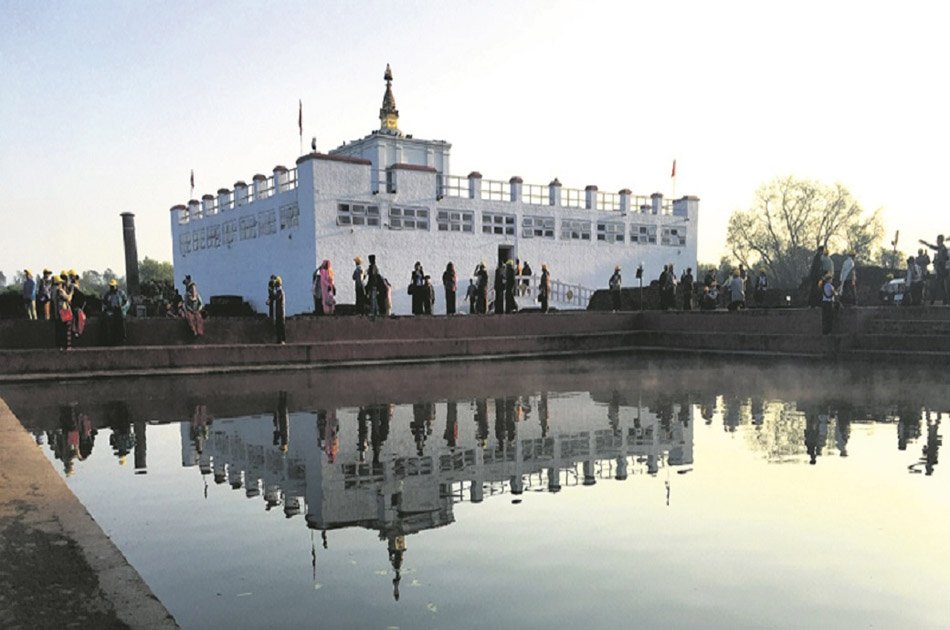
271 186
536 194
573 198
494 190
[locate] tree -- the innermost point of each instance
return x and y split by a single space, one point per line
790 218
155 270
3 280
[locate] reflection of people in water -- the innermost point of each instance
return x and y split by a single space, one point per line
543 414
328 429
65 441
451 434
929 451
843 428
122 439
481 422
282 423
422 416
816 432
908 424
613 412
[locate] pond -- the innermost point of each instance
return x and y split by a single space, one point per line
529 494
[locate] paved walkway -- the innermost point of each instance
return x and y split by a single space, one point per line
58 568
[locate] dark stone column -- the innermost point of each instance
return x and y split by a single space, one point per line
131 255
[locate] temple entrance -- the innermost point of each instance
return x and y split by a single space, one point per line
505 253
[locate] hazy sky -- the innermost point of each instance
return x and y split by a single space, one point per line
106 106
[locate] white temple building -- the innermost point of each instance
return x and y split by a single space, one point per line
394 196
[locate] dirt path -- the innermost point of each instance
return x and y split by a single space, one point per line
58 569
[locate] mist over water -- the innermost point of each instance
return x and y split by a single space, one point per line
537 494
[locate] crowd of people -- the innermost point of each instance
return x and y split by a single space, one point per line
920 282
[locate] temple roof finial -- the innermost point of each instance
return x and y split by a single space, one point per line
388 114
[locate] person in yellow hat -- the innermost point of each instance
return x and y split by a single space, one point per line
29 294
64 315
115 306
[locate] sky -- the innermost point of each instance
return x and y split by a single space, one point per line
107 106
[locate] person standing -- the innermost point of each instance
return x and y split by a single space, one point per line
416 291
450 284
848 281
736 291
499 288
374 285
316 289
63 314
278 307
192 307
359 285
428 296
270 297
686 286
510 284
481 286
614 284
471 294
77 301
526 278
544 288
44 294
828 294
115 306
814 278
29 294
327 288
914 284
941 271
761 285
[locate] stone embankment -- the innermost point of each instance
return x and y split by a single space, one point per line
163 346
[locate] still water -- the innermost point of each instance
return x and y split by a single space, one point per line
609 493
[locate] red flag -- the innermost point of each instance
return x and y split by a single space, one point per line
192 179
300 116
673 174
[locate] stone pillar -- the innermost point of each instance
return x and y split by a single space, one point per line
280 179
656 200
138 429
474 185
589 477
224 199
194 210
682 206
516 186
554 192
554 480
626 200
207 205
131 253
240 193
590 197
259 182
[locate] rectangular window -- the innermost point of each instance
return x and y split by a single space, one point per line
184 242
248 227
497 223
610 231
575 230
402 218
266 222
456 221
289 217
674 236
537 227
229 230
213 238
357 214
643 234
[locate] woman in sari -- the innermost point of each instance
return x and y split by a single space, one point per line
327 288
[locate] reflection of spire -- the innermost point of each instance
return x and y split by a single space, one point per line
397 547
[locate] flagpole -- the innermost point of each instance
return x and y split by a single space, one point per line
300 123
673 177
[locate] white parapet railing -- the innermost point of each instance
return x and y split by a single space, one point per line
564 295
280 182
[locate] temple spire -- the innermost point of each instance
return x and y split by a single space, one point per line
388 114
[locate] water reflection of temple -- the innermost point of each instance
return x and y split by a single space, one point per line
400 469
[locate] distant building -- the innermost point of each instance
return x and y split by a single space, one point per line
392 195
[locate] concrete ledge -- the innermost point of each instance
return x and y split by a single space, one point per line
97 588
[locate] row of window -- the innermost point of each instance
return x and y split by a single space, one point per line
248 227
502 224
